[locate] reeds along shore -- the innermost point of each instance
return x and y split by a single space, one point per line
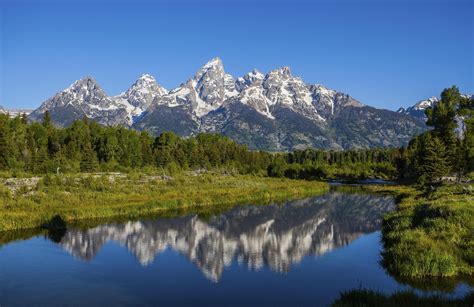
88 196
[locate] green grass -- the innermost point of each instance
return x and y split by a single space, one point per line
430 234
369 298
80 197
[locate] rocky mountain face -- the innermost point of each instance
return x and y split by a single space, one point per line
276 111
85 98
418 109
273 236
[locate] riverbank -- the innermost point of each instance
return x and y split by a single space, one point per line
92 196
430 234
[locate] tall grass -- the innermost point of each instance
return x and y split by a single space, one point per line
430 234
76 197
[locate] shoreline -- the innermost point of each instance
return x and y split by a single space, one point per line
99 198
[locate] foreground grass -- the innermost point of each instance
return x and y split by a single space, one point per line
79 197
370 298
430 234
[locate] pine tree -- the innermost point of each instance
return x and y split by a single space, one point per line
434 162
89 161
442 117
466 110
41 161
47 123
146 146
4 150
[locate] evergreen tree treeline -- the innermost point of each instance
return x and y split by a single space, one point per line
86 146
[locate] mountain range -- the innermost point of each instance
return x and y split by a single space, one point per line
275 111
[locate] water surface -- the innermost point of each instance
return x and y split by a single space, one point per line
300 253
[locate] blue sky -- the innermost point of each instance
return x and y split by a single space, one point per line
384 53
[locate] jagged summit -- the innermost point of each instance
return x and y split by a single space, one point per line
215 62
250 78
213 67
147 77
283 72
203 93
86 86
142 93
84 80
274 111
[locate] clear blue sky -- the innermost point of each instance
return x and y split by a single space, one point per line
384 53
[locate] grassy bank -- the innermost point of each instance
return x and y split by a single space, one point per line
430 234
370 298
77 197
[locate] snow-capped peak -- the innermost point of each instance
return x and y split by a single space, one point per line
418 109
249 79
86 85
426 103
146 84
281 87
147 78
85 90
205 92
281 72
139 96
214 62
209 87
214 66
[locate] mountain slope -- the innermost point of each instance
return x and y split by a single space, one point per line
86 98
370 127
276 111
418 109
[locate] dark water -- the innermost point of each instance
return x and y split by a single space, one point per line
301 253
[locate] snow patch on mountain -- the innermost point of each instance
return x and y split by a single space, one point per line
249 79
89 99
203 93
254 96
295 114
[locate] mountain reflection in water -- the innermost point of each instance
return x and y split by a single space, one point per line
276 236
